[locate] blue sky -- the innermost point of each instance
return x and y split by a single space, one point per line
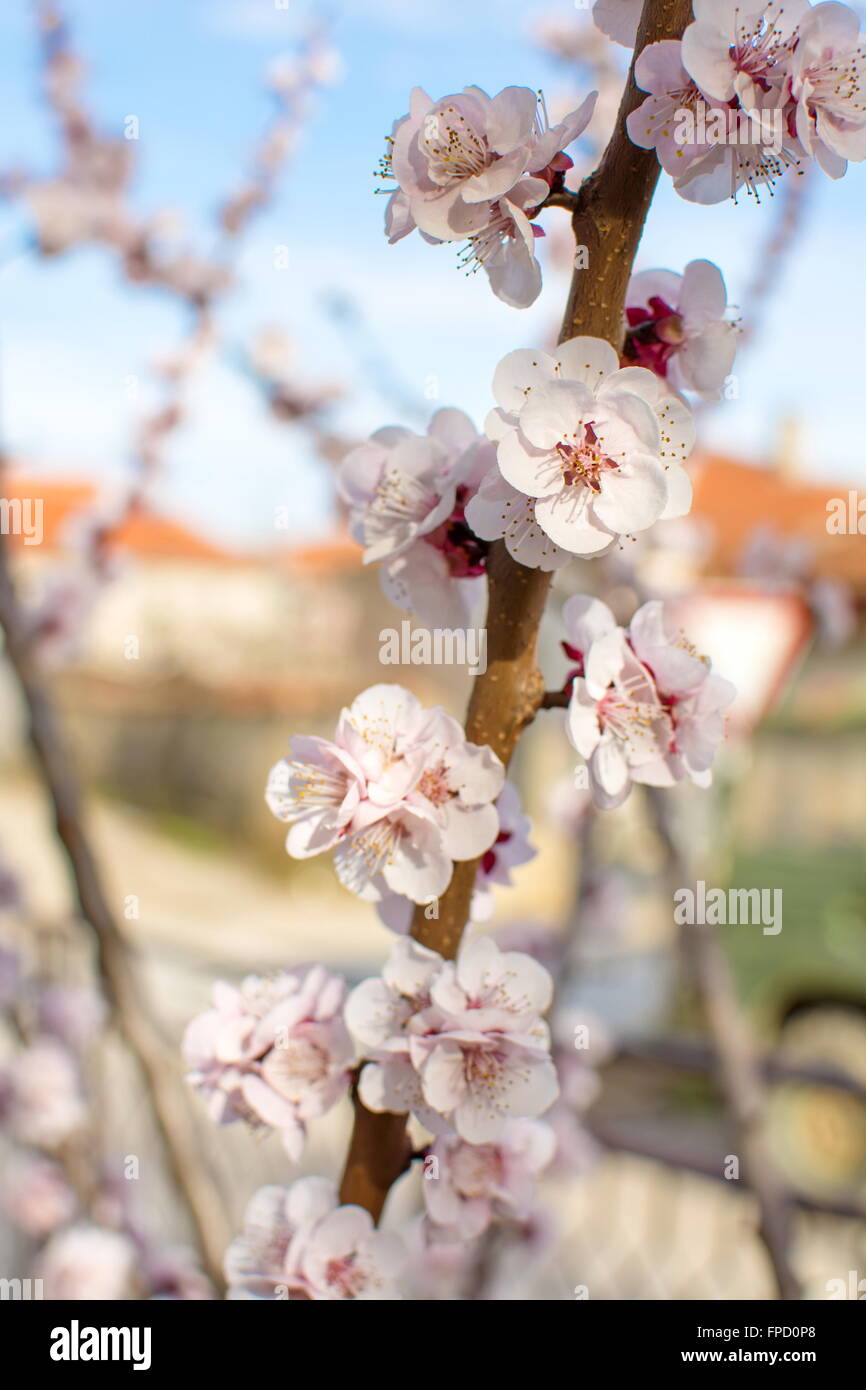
72 334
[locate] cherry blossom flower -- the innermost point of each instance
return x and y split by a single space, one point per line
711 149
510 848
467 1185
828 85
274 1052
36 1195
647 708
407 496
736 48
599 448
619 19
462 1045
399 795
299 1243
88 1263
677 327
40 1094
474 168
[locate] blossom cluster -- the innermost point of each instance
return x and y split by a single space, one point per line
274 1052
398 795
754 87
462 1045
644 707
476 169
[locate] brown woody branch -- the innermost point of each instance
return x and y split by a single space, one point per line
608 220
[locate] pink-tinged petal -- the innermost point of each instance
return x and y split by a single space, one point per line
510 118
653 284
619 19
605 661
582 724
531 471
468 831
418 868
494 181
453 429
443 1081
554 412
586 618
310 1200
703 298
568 521
514 273
390 1087
588 360
399 221
633 500
680 493
517 373
609 775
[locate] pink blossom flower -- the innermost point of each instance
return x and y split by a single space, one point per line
599 448
645 708
475 168
42 1102
736 48
274 1052
299 1243
467 1185
88 1263
711 148
36 1196
399 794
828 85
407 497
619 19
677 327
462 1045
510 848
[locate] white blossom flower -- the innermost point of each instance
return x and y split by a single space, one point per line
828 85
467 1049
274 1052
646 708
407 496
466 1186
299 1243
399 795
598 448
476 168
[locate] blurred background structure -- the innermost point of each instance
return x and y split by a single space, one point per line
196 321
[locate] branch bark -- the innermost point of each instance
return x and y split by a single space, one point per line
609 217
193 1181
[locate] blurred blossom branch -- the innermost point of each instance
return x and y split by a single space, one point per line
117 972
739 1070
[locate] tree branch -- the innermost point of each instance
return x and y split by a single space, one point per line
609 216
156 1064
739 1071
